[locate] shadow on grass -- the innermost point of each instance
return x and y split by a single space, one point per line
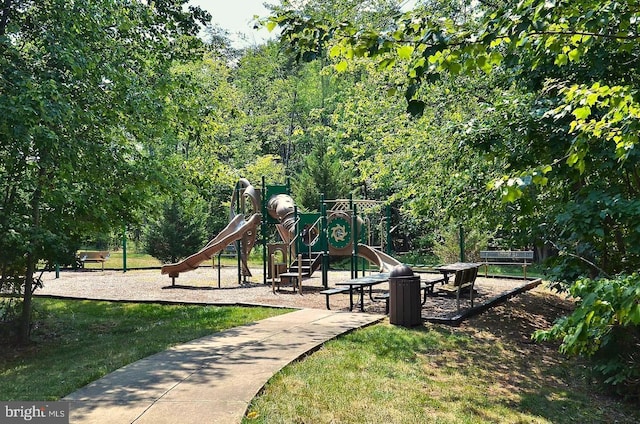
533 378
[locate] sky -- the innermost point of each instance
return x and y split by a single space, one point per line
236 16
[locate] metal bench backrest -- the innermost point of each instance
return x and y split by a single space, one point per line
506 254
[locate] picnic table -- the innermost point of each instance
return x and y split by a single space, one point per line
455 267
359 284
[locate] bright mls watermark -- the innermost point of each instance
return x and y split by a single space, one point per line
34 412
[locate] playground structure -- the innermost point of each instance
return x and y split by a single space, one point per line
306 240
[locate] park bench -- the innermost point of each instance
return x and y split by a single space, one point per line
92 256
506 257
463 282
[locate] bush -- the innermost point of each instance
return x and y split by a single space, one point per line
180 231
449 249
605 328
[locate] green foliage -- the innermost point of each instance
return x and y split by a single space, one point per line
605 327
179 232
562 121
81 111
448 247
323 173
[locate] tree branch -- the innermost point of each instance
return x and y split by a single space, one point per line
588 262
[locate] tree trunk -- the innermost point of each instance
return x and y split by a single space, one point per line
32 260
25 320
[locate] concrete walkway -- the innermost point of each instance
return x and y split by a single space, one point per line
212 379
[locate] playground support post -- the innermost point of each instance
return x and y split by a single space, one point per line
461 243
388 246
263 229
354 265
124 249
356 237
273 273
239 196
324 243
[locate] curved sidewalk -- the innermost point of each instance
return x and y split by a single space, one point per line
211 379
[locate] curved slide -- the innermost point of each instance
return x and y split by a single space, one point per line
237 228
381 259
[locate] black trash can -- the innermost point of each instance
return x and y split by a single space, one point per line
404 297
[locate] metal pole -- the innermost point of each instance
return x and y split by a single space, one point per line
324 244
219 266
124 249
389 246
238 242
356 238
263 229
461 243
354 265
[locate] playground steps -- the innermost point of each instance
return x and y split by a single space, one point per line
307 267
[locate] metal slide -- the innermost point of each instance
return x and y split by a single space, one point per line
381 259
237 228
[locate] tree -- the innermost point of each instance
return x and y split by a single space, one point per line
179 232
323 173
83 87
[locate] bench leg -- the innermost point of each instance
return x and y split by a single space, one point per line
328 308
471 295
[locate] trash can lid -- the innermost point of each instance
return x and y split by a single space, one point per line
401 271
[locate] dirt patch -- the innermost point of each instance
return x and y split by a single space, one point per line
208 285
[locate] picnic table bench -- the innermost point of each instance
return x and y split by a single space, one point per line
506 257
93 256
465 278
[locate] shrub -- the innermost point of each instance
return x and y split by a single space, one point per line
605 328
449 249
179 232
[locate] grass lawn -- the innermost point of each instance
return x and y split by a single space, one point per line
143 260
485 371
77 342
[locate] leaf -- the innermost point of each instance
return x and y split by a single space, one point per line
271 25
455 68
574 55
342 66
415 108
561 59
405 52
582 112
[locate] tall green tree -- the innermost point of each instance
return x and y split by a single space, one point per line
83 88
323 173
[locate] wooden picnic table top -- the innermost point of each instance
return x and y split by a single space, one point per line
457 266
365 281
